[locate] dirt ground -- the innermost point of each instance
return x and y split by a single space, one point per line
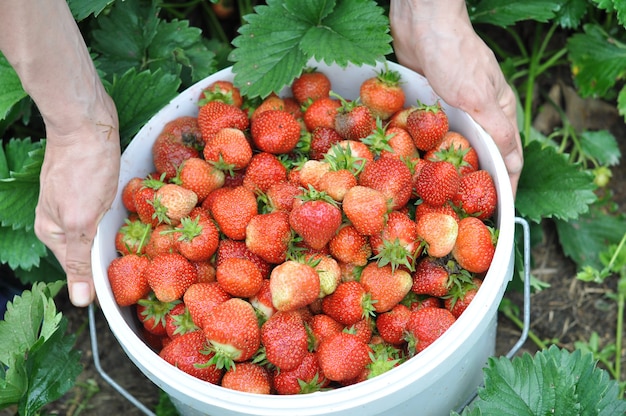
566 312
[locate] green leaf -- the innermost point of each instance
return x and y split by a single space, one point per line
132 36
571 13
277 41
597 61
11 91
602 146
138 96
35 348
81 9
20 248
47 270
554 381
617 6
551 187
19 191
621 102
507 13
582 238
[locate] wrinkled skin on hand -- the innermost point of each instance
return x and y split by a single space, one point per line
79 179
436 39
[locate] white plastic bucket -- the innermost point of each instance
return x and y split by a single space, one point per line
434 382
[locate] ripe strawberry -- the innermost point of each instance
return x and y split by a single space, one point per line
401 144
221 90
127 280
349 303
431 278
354 121
475 246
205 270
293 285
128 193
197 175
280 196
151 312
201 298
239 277
423 208
132 237
275 131
162 240
262 301
285 340
391 325
308 377
233 332
311 85
268 236
477 195
461 296
180 139
321 326
216 115
185 353
383 94
197 238
385 286
437 182
427 124
228 248
424 302
437 232
321 113
426 325
392 177
178 321
343 356
322 138
315 218
271 102
398 119
366 208
350 246
456 149
173 202
264 170
169 275
336 183
397 244
293 107
228 150
247 377
143 199
363 329
233 210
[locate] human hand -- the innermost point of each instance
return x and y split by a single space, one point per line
78 183
436 39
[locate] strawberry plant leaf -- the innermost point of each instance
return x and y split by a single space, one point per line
81 9
19 191
552 187
277 41
140 95
602 146
11 91
582 238
621 102
554 381
133 36
571 13
20 248
617 6
506 13
42 364
597 61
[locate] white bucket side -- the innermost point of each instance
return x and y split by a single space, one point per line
435 381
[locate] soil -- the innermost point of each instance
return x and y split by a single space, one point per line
568 311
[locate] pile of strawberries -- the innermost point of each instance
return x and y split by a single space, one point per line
303 242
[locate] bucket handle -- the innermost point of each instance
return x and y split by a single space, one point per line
103 374
510 354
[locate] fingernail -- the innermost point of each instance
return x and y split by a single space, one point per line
80 294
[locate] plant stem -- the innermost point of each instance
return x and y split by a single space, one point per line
508 312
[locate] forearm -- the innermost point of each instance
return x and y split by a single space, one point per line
41 41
